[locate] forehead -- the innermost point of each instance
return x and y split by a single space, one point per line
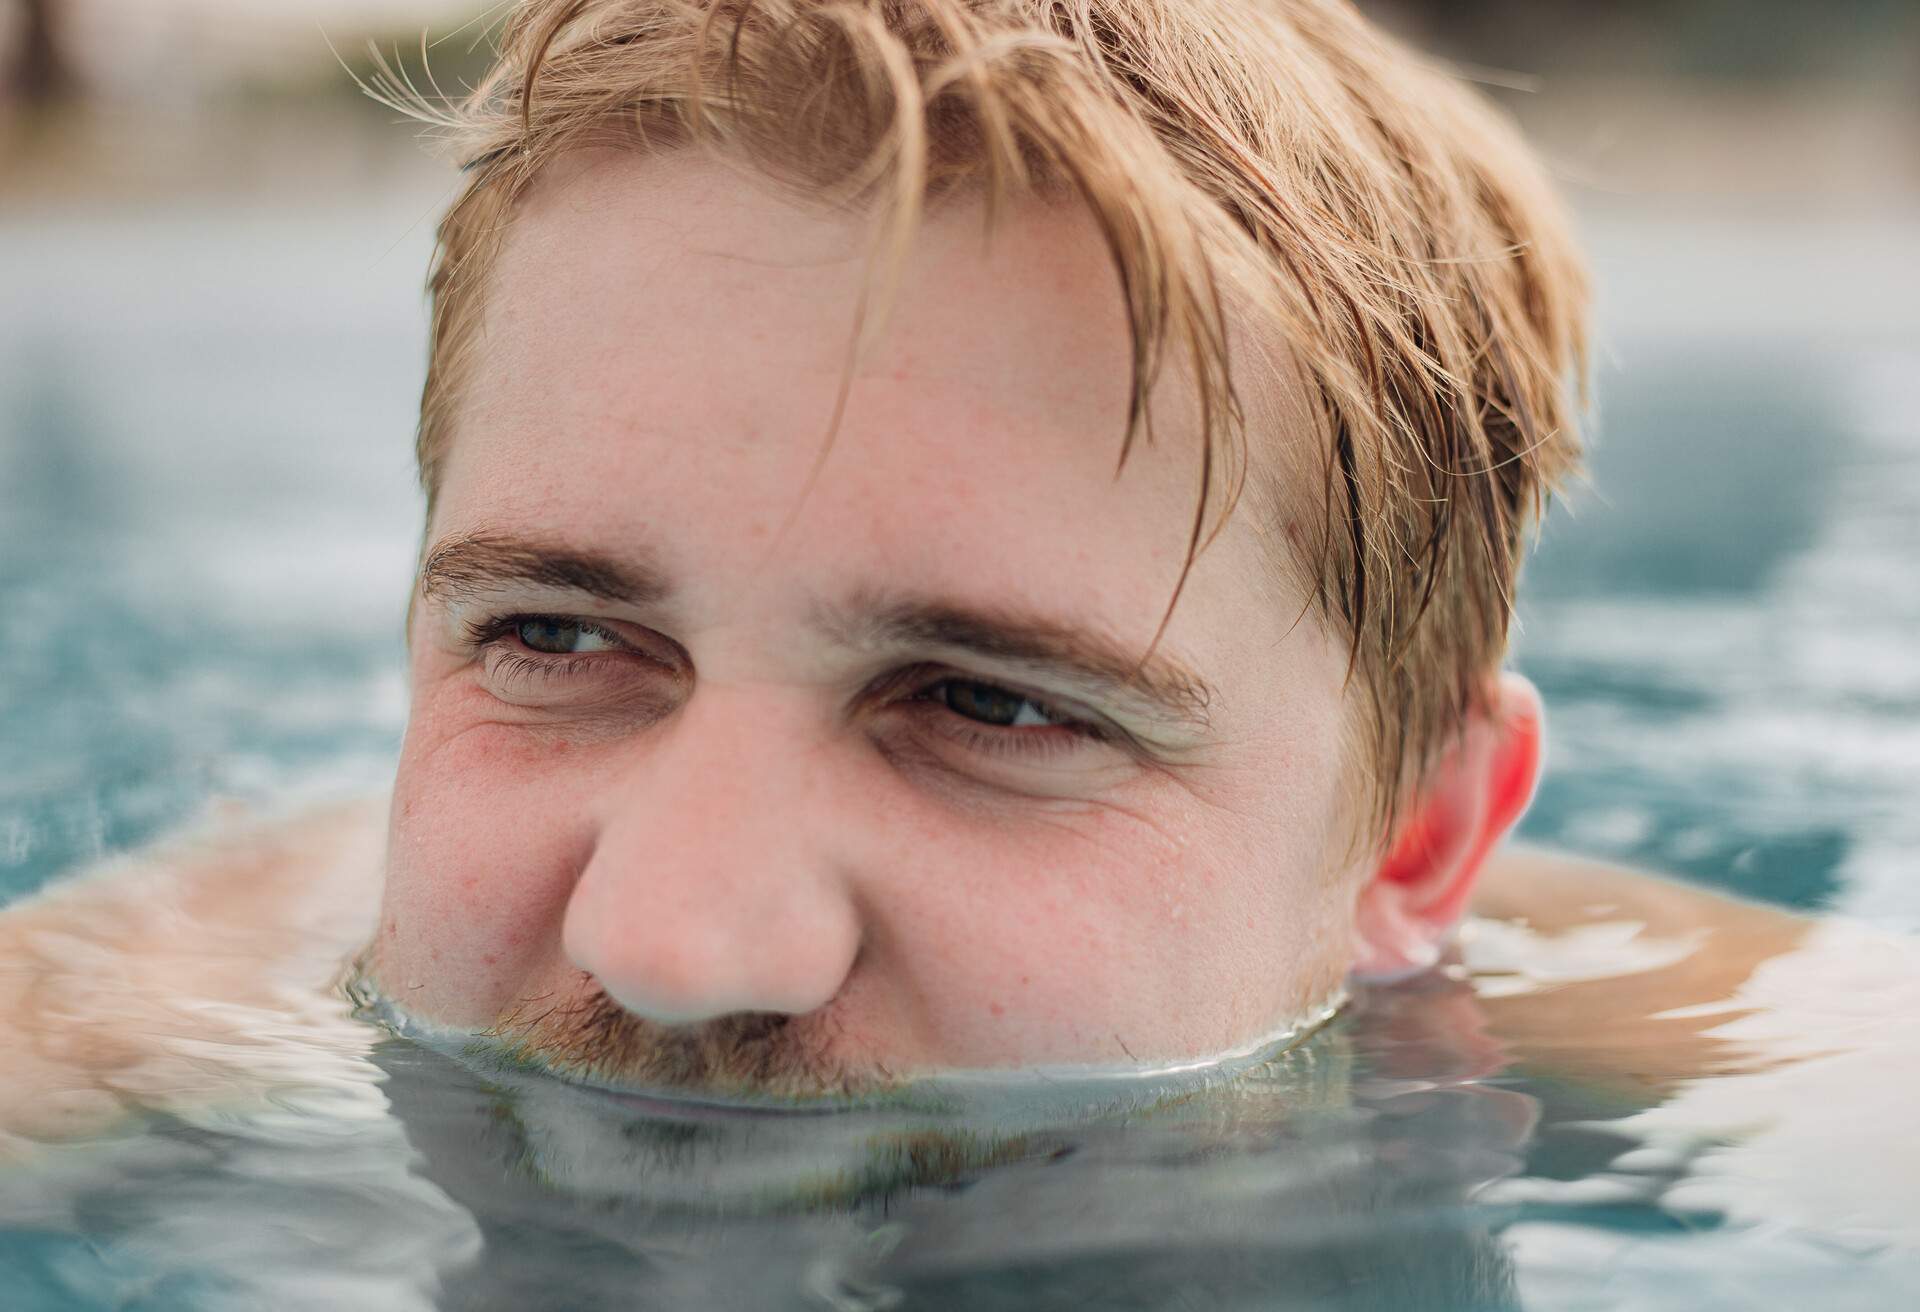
663 354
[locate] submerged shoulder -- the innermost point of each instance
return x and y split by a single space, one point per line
1556 892
132 982
1618 975
228 910
222 909
1724 1022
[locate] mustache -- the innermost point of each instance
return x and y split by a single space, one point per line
584 1032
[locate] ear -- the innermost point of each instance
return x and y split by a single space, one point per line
1469 800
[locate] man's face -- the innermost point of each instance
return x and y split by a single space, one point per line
744 761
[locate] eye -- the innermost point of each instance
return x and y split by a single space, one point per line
575 666
987 703
559 637
996 736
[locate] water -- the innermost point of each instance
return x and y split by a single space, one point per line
208 523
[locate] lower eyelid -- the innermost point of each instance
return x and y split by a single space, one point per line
520 661
1036 742
504 639
510 664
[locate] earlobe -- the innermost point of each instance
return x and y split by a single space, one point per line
1470 799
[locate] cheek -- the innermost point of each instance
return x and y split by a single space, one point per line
1105 935
485 842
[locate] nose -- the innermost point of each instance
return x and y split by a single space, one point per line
716 883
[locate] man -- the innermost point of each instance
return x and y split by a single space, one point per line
859 635
961 535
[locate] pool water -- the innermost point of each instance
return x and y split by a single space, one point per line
206 527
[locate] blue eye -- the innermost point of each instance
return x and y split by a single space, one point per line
558 637
989 704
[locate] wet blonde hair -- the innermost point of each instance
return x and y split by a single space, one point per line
1279 162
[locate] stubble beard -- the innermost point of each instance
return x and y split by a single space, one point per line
583 1034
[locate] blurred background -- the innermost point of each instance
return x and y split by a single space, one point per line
212 339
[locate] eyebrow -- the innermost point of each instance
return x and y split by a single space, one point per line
1102 665
468 564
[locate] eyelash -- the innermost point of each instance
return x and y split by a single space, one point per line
918 684
1039 742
